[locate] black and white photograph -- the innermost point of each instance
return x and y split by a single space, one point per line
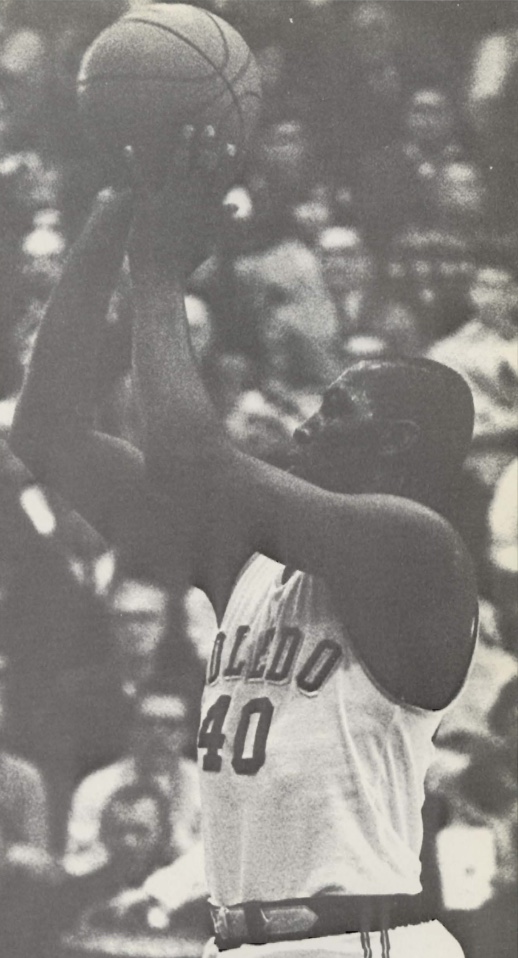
258 478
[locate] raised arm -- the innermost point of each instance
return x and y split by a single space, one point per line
400 576
58 398
103 478
233 504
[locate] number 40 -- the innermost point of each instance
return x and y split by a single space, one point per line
212 737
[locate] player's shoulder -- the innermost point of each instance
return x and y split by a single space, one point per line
450 563
400 541
431 539
430 571
412 620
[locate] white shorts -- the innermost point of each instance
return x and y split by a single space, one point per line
428 940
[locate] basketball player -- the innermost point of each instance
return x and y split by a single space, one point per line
346 601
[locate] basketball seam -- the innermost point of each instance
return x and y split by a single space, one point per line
180 36
141 79
98 77
244 66
223 39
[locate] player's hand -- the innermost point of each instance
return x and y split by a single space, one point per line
177 216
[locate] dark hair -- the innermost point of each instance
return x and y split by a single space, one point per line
439 401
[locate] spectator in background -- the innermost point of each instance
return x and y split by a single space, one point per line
361 87
24 82
283 168
373 322
262 422
283 294
283 342
138 615
271 60
287 193
461 195
435 263
349 274
200 328
133 828
173 898
475 767
23 802
503 553
28 870
98 699
279 176
281 291
398 184
492 98
31 244
156 760
484 351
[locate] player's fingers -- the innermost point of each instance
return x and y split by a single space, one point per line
207 151
226 168
132 169
182 153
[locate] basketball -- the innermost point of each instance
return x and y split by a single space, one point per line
161 67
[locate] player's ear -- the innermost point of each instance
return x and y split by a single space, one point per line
398 436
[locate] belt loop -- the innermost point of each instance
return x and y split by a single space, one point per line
366 909
256 924
385 913
365 916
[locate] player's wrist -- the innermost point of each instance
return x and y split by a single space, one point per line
153 260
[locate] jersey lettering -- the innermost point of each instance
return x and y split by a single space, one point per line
211 734
242 762
215 659
319 666
285 654
274 657
249 749
234 668
260 659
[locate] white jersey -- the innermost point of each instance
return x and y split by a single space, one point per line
312 778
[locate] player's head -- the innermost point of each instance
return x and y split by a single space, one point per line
402 427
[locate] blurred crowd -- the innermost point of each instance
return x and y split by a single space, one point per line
377 216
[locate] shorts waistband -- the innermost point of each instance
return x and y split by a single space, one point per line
261 922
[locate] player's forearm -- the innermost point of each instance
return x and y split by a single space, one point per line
181 424
58 397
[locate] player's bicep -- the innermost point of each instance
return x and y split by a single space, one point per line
248 506
415 633
402 578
